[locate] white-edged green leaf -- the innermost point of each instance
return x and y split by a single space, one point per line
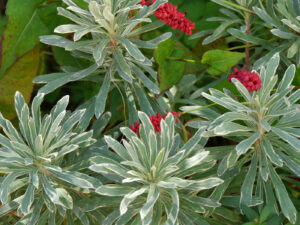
131 49
102 96
247 187
205 183
242 89
113 190
72 177
49 190
130 197
263 166
294 142
287 78
120 60
5 186
27 200
150 85
64 198
244 145
99 51
153 195
285 202
268 148
227 128
117 147
173 213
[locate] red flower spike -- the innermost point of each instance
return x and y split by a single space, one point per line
250 80
169 14
155 120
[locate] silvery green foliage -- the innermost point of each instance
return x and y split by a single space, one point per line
285 23
32 161
153 175
105 34
266 123
281 17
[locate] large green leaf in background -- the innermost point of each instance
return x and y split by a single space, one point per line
169 72
18 77
220 61
26 21
174 60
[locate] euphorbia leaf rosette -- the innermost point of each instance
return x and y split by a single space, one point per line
107 35
266 125
152 172
32 160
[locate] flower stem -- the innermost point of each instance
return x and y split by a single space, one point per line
184 60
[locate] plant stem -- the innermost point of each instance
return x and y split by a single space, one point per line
242 46
247 50
184 60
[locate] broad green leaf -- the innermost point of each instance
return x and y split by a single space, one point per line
220 61
24 26
169 72
18 78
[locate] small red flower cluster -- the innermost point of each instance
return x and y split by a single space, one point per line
250 80
170 15
155 120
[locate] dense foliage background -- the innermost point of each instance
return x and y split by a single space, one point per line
261 35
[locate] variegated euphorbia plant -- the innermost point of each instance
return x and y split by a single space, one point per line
106 34
35 181
152 173
266 125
